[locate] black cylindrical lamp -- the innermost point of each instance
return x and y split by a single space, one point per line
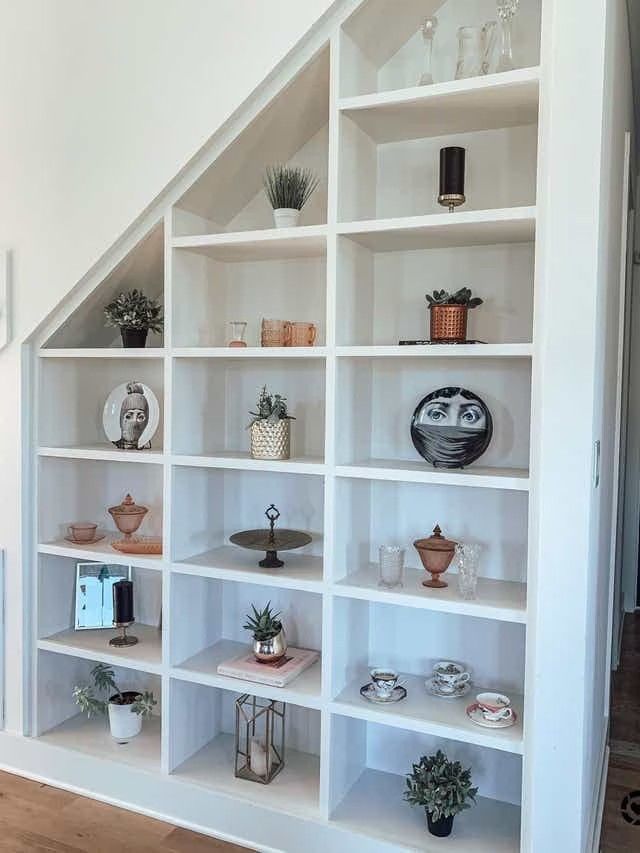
123 613
452 162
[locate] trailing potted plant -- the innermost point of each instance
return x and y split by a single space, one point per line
270 428
269 640
126 708
288 189
442 788
135 315
449 313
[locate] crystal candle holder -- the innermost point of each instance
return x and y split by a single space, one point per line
391 565
467 557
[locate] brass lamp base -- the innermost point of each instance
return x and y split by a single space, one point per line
452 200
124 639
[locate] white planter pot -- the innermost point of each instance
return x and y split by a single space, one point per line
123 722
286 217
271 439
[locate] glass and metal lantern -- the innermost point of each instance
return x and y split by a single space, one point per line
259 738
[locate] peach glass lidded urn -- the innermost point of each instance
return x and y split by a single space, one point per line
128 516
436 553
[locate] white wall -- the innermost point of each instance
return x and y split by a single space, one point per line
100 106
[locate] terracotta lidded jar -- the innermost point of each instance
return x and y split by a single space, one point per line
436 553
128 516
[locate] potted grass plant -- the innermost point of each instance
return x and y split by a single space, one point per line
270 428
449 313
269 641
442 788
135 315
288 189
126 708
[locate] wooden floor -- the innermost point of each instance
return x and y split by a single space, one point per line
618 833
40 819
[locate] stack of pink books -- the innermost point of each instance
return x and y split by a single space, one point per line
276 674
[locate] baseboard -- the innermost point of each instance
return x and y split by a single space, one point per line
598 812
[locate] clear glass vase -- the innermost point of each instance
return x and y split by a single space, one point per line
506 13
467 557
428 30
391 565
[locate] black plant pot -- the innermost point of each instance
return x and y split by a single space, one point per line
136 338
440 828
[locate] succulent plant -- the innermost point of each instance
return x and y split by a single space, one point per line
104 681
134 310
289 186
271 407
460 297
442 787
264 624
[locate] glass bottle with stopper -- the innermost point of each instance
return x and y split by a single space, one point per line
428 30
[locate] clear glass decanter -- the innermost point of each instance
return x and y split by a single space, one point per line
428 30
506 13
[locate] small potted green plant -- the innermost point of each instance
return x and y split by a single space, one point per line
135 315
126 708
288 189
270 429
269 640
442 788
449 314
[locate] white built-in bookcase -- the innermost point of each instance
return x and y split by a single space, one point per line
372 242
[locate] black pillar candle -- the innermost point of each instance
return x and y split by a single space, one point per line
452 163
123 603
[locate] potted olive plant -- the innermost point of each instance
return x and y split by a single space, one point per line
126 708
269 641
135 315
288 189
442 788
449 313
269 428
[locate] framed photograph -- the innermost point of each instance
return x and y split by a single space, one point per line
94 595
451 427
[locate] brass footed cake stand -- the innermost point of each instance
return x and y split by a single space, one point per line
271 540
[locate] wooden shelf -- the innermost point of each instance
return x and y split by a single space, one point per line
202 668
422 712
93 738
444 230
104 453
305 241
294 791
458 106
375 806
438 351
516 479
300 571
504 601
94 644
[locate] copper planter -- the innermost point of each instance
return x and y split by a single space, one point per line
436 554
448 323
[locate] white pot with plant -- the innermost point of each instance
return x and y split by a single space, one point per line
126 708
442 788
270 428
135 315
288 189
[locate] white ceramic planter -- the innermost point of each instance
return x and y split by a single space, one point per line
286 217
123 722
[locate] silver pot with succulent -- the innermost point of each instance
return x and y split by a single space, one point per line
126 708
288 189
269 640
135 315
270 428
449 313
443 788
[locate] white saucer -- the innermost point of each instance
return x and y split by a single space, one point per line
368 692
476 716
432 687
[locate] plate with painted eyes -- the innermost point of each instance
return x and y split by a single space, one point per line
131 416
451 427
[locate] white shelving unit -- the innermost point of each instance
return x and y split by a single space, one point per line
371 243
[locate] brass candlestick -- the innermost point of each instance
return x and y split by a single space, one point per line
123 639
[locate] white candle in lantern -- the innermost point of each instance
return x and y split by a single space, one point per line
258 757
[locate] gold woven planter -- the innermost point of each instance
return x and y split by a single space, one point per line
448 323
271 439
